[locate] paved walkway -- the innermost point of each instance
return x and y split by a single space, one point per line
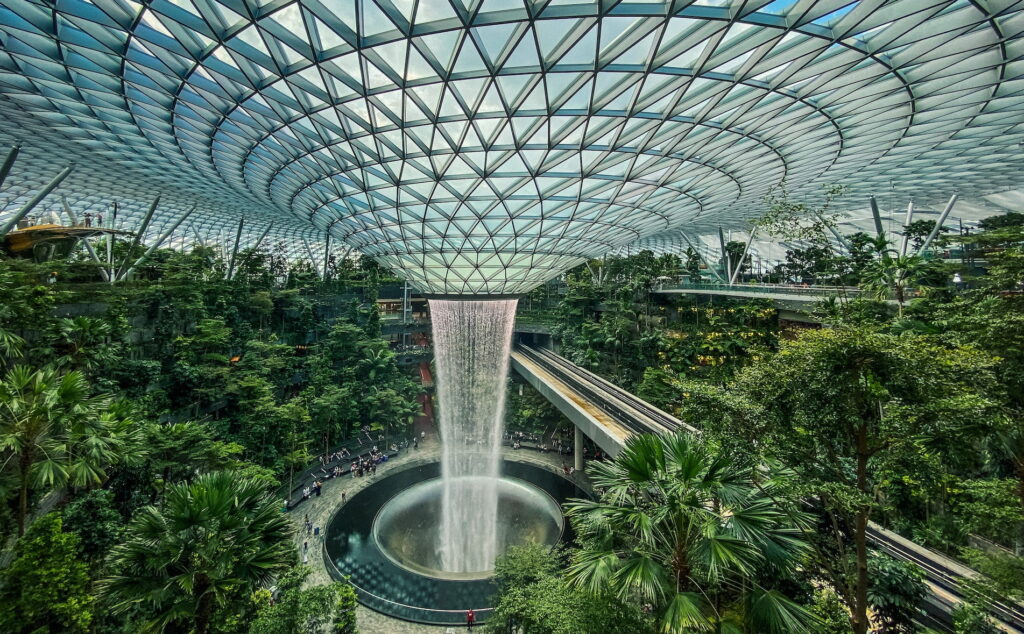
320 509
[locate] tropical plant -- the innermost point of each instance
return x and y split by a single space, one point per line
689 531
10 345
81 343
533 597
98 525
855 411
896 593
46 588
211 538
52 432
307 610
892 275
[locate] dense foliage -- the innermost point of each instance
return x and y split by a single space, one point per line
535 598
145 428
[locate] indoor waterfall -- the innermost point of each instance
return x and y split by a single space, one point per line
472 340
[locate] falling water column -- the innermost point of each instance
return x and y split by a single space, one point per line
472 340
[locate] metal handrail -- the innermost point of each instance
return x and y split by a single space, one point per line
787 289
338 575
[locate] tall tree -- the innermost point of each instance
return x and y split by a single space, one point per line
46 588
847 407
307 610
211 538
53 432
688 530
894 274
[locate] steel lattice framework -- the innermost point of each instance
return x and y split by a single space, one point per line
483 146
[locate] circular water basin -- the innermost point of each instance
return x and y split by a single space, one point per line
384 540
407 527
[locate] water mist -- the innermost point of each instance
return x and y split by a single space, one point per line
472 341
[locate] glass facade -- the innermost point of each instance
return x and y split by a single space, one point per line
483 146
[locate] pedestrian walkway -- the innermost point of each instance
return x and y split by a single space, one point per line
320 509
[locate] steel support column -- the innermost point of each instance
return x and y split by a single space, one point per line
838 236
701 256
725 255
906 223
35 200
312 260
577 448
138 237
327 254
88 247
739 265
159 241
5 169
234 249
938 223
876 216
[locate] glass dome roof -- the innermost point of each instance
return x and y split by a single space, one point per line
484 146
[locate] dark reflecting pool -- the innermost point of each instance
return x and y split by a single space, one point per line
384 540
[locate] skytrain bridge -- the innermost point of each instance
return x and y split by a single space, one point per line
609 415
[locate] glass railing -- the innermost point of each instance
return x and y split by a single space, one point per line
767 289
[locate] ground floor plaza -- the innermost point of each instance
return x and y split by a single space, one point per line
320 509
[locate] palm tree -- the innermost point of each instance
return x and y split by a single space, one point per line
10 345
81 343
894 274
53 432
214 537
689 532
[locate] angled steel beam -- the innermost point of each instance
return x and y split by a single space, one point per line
835 232
327 250
159 241
312 260
876 215
88 247
725 254
701 256
138 237
110 246
234 249
263 236
906 223
5 169
938 223
732 279
199 238
35 200
252 249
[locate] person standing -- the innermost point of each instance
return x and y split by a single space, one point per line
470 618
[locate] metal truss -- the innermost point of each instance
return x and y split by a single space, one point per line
484 146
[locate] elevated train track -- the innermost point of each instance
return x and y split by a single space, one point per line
943 575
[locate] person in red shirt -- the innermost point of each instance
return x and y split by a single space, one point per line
470 618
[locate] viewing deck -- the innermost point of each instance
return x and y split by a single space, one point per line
785 296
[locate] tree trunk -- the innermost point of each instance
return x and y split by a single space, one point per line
860 608
204 607
24 466
1018 467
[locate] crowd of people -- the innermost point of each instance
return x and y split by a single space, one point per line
559 446
333 464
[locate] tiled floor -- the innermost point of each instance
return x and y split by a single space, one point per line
320 509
